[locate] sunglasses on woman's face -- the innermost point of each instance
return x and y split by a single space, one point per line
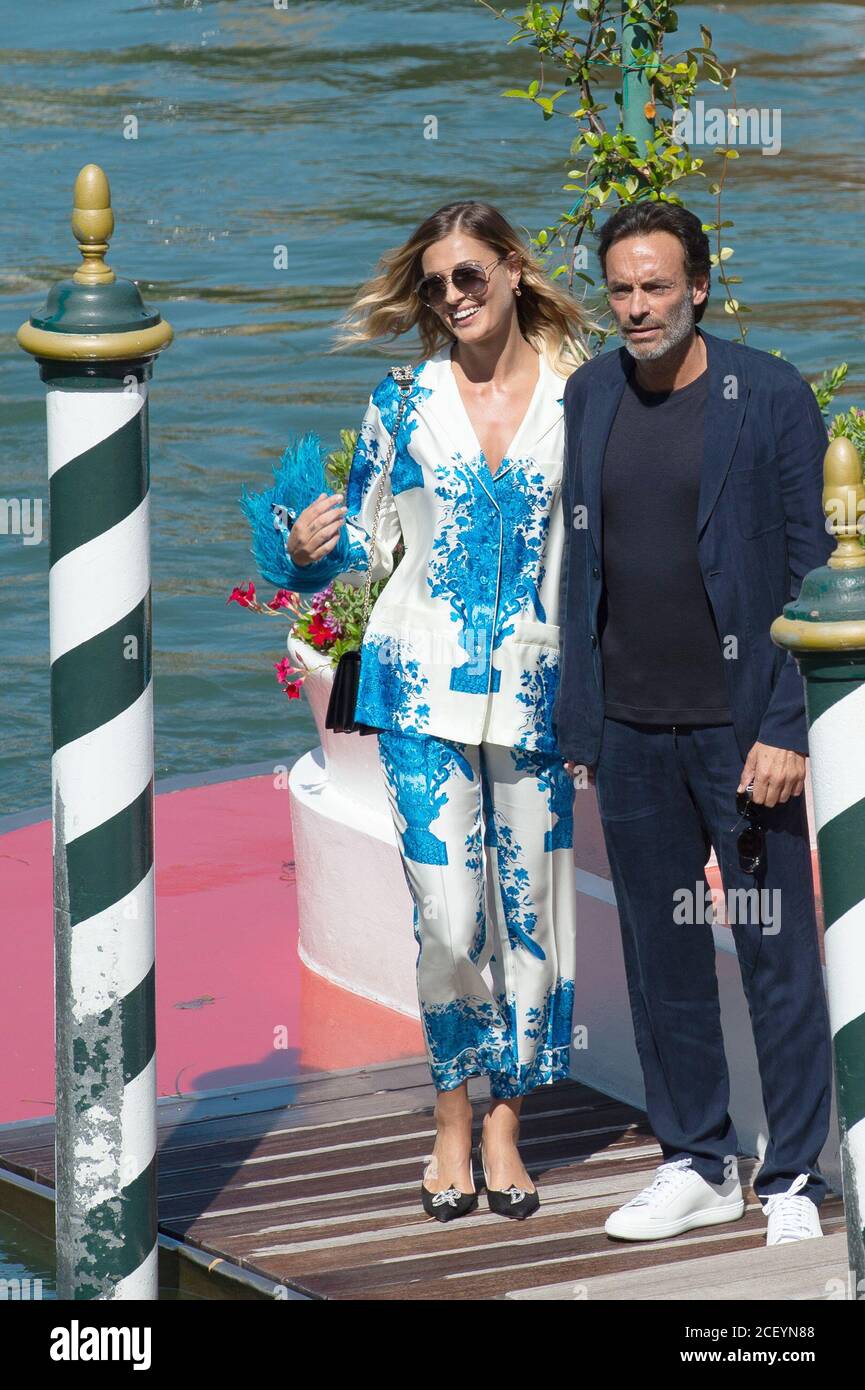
469 278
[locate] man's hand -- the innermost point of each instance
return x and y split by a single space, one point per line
777 774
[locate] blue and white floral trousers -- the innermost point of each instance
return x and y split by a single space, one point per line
486 838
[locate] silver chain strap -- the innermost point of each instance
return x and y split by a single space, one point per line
404 377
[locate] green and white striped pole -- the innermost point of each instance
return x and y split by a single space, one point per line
95 342
825 629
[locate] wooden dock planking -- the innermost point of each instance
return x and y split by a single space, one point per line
320 1191
795 1271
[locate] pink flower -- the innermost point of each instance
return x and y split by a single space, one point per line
292 690
283 669
284 598
245 597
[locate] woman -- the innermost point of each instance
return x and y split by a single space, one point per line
459 665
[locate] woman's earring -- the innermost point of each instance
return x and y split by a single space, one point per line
517 290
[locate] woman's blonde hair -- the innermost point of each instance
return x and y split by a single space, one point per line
386 305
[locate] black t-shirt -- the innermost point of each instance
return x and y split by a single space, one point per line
661 651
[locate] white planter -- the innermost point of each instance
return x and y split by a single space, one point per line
351 760
353 904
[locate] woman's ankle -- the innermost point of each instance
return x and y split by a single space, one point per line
502 1121
453 1108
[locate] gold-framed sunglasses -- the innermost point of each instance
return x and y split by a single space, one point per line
469 277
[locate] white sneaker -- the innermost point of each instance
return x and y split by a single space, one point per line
792 1217
675 1201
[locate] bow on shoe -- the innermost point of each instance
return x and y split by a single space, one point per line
450 1195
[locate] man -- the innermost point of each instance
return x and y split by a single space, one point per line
692 485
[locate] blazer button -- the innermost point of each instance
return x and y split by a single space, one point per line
594 640
596 572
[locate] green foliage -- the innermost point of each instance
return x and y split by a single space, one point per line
851 424
829 384
338 465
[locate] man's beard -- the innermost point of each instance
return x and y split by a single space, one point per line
678 327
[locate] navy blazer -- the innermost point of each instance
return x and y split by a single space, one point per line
760 529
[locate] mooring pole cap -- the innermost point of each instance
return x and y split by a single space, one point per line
829 613
94 316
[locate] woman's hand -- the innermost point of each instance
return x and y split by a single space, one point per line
316 530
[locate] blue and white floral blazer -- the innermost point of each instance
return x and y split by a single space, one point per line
463 641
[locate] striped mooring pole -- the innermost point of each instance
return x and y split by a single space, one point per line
825 629
95 342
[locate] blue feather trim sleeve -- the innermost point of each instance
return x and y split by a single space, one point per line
299 478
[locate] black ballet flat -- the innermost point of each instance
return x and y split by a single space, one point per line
449 1204
512 1201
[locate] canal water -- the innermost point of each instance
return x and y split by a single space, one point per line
27 1271
257 128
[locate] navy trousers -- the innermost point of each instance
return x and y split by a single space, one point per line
667 795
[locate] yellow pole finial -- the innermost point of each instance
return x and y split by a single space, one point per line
829 613
844 502
92 223
94 315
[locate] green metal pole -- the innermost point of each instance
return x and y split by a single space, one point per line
636 89
95 342
825 629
